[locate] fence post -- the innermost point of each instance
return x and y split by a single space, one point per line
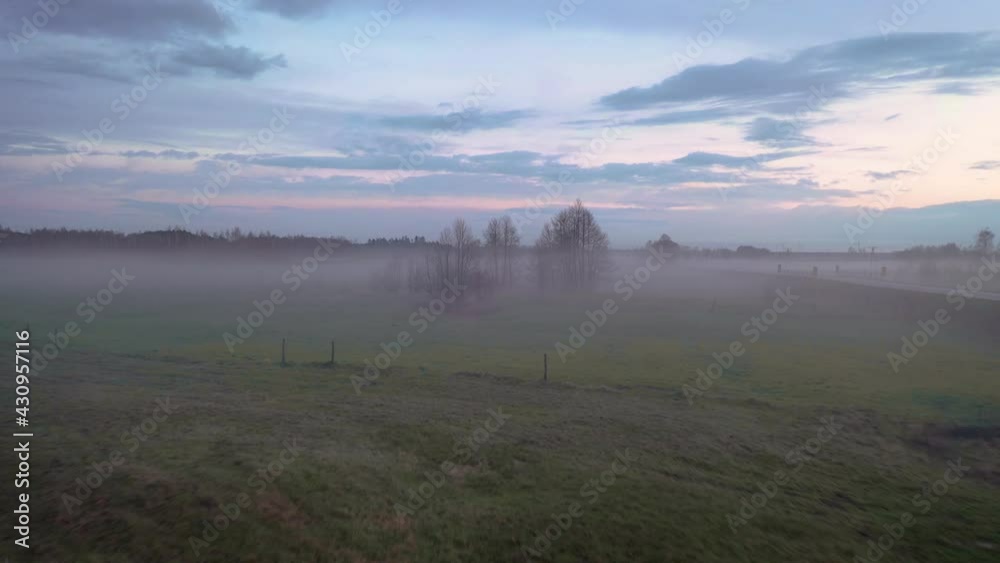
546 373
283 352
333 350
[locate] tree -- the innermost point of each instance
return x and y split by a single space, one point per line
466 245
446 242
572 248
493 240
510 240
501 239
664 244
984 241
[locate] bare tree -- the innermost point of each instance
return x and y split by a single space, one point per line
493 240
572 248
510 241
466 245
664 244
446 243
984 241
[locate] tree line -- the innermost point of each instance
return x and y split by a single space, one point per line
570 252
983 244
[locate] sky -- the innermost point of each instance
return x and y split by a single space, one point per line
720 122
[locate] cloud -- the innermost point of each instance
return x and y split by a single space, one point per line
26 143
842 68
225 60
114 63
456 121
892 175
148 20
777 133
167 154
689 116
986 165
526 164
705 159
957 89
294 9
769 191
892 117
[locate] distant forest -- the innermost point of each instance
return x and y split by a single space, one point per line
177 238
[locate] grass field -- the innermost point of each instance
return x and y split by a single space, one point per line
345 466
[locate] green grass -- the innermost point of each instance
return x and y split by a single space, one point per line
362 453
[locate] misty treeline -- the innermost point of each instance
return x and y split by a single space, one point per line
571 252
171 239
983 244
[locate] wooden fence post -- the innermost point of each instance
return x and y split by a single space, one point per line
546 374
283 352
333 350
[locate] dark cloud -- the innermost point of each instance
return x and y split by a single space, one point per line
778 133
456 121
224 60
893 116
842 68
986 165
705 159
957 89
891 175
294 9
26 143
690 116
144 20
513 163
171 154
85 63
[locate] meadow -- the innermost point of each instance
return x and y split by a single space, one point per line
809 446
